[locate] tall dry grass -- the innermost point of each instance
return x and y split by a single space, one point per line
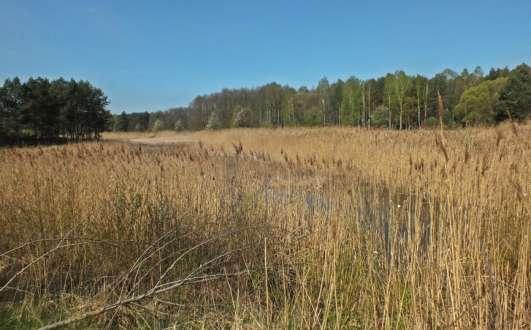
265 228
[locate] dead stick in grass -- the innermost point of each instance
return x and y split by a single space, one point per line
23 269
157 289
161 289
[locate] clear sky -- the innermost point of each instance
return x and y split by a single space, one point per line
152 55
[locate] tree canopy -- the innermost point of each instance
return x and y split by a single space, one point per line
43 110
477 105
396 101
515 97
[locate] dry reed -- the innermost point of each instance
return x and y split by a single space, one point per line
293 228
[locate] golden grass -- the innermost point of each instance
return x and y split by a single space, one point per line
291 228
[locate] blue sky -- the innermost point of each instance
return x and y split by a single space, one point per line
152 55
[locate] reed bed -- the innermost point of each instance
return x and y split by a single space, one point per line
269 228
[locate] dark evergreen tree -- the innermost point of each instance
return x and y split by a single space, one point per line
515 98
43 110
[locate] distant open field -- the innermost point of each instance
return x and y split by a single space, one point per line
270 228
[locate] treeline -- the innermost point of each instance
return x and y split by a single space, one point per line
40 110
396 100
172 119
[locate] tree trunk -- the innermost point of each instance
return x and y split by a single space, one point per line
418 108
400 117
426 103
389 109
363 108
369 115
339 115
324 112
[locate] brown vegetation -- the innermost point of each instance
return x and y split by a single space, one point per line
265 228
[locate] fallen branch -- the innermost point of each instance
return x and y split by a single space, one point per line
42 256
163 288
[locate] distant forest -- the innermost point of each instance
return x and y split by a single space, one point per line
396 100
41 111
